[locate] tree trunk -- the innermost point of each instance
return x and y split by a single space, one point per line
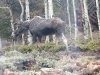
22 13
28 18
12 25
86 21
87 25
21 19
48 14
50 5
85 15
75 22
69 20
46 8
98 15
27 10
0 43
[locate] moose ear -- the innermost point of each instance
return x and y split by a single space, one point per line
17 22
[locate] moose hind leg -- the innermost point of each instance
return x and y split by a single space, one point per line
65 41
38 42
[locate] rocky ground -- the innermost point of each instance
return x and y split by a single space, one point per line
76 62
81 63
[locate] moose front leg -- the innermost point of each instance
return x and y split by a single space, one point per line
37 41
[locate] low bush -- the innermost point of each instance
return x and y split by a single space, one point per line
98 73
47 63
11 48
15 60
50 47
91 45
25 48
8 48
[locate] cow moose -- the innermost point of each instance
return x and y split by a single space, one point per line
39 27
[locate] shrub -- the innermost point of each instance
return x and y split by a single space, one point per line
46 59
47 63
52 47
98 73
11 48
13 59
7 64
48 46
8 48
25 48
28 73
25 73
91 45
12 53
11 66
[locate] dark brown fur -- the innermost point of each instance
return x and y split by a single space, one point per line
39 27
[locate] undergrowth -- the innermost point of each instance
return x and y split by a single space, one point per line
14 60
49 47
91 45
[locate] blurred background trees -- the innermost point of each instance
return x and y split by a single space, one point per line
59 10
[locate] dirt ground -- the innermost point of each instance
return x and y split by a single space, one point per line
80 63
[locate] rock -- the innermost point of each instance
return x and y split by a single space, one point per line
17 73
19 65
51 71
77 49
74 56
2 53
1 71
24 65
96 68
86 71
7 72
74 48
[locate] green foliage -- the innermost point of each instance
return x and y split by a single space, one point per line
91 45
11 48
46 60
8 48
42 59
5 29
47 63
25 73
12 53
52 47
25 48
49 47
10 66
98 73
11 57
36 8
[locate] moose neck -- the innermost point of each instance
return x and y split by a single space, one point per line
26 24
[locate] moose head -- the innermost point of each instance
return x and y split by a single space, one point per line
22 26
